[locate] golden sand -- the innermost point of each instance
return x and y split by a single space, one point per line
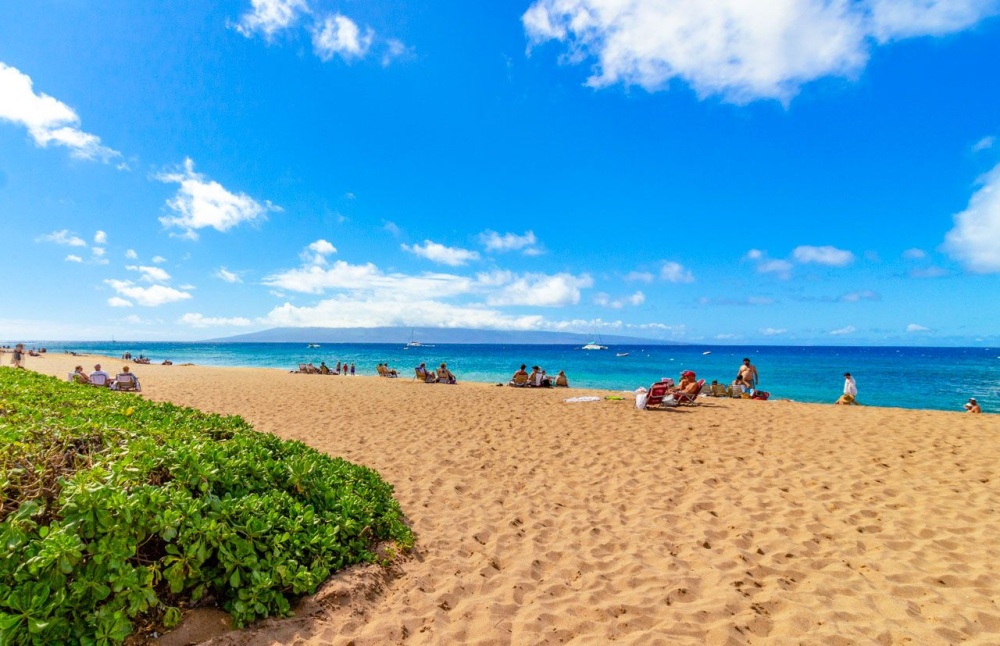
544 522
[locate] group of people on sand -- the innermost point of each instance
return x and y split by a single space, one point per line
324 369
537 378
384 370
440 376
124 380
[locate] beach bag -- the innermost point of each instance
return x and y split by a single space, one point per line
761 395
640 400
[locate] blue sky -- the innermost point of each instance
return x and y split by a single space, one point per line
735 171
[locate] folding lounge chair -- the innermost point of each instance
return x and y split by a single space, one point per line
125 382
427 377
519 381
719 390
658 397
688 398
98 380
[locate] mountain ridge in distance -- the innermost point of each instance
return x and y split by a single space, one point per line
430 336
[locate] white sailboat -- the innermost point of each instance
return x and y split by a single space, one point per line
595 345
415 344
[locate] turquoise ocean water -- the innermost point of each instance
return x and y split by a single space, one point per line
905 377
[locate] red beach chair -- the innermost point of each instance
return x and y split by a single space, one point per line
688 398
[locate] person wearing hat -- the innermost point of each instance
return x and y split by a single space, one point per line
973 406
688 383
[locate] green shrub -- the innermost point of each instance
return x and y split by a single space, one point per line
116 512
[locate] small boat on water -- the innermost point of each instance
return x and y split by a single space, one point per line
707 352
313 345
622 354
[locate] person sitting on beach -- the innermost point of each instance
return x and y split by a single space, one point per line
311 369
126 377
535 378
444 376
80 377
323 368
391 372
739 386
973 406
425 375
520 377
99 377
561 380
688 383
167 362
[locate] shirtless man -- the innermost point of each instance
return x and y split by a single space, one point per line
973 406
748 372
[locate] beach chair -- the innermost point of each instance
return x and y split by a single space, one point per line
519 381
658 397
719 390
98 380
689 398
425 376
125 382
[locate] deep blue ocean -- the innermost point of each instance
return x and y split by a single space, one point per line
904 377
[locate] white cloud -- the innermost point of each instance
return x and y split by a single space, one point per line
197 320
863 295
201 203
984 144
132 255
391 227
604 300
394 49
640 276
115 301
270 16
542 290
63 237
148 296
322 248
913 327
914 254
494 241
675 272
770 331
451 256
97 251
158 260
338 35
72 258
741 50
928 272
48 120
825 255
316 252
850 329
765 265
228 276
100 238
150 274
975 239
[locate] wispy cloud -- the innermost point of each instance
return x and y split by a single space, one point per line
151 296
201 203
914 254
228 276
985 143
435 252
825 255
640 276
850 329
73 258
772 331
604 300
975 239
913 327
493 241
48 120
195 319
338 35
738 50
674 272
150 274
62 237
857 297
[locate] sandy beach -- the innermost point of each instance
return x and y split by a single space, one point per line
544 522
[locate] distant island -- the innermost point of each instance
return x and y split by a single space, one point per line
428 336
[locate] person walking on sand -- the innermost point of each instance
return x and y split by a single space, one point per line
749 373
973 406
18 356
850 396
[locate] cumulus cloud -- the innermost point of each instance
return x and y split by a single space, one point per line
338 35
825 255
674 272
317 252
913 327
201 203
158 260
63 237
451 256
740 50
100 238
493 241
152 296
541 290
197 320
73 258
150 274
604 300
975 239
131 254
765 265
228 276
268 17
116 301
48 120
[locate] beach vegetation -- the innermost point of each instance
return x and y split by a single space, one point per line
117 513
